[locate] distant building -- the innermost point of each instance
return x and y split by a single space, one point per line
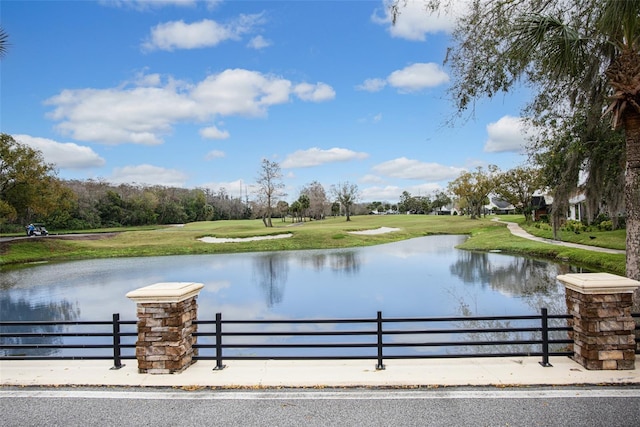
499 206
541 206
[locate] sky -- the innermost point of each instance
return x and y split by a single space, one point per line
194 94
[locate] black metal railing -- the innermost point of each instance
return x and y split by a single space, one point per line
68 340
376 338
542 335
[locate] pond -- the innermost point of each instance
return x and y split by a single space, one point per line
419 277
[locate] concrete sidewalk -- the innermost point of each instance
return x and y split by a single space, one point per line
518 231
501 372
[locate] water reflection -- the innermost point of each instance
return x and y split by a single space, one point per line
424 277
419 277
23 310
271 271
529 279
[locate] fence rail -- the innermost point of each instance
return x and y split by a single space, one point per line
378 338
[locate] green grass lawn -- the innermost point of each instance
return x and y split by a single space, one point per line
326 234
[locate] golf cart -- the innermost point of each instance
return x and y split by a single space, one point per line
36 229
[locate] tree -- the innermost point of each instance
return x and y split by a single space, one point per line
575 55
440 200
269 188
474 188
405 202
296 210
346 194
335 208
517 187
28 186
283 209
304 202
317 200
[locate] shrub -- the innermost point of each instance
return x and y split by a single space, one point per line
605 225
575 226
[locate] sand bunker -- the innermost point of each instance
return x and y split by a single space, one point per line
380 230
242 239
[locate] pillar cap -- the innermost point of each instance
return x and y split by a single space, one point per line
165 292
598 283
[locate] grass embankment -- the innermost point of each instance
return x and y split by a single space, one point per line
502 240
327 234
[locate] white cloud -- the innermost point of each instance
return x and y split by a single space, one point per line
316 156
145 110
214 154
206 33
240 92
316 93
64 155
178 35
412 78
375 118
258 42
414 169
414 21
386 193
371 179
148 174
418 76
142 5
372 85
507 134
213 132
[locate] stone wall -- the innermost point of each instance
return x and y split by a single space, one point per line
166 316
602 329
165 336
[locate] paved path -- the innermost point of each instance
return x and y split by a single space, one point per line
516 230
498 371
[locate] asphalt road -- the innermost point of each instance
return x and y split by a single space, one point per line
566 406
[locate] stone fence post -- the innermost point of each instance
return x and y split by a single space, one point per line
166 312
603 329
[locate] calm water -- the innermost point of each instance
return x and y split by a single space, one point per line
424 277
419 277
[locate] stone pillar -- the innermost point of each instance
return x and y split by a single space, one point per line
166 312
603 329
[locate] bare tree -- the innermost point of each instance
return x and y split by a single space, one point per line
317 199
346 194
269 188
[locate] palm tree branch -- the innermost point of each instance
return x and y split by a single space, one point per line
4 42
561 46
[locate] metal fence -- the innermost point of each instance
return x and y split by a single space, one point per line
378 338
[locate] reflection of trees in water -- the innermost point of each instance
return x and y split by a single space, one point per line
532 280
22 310
314 260
472 268
511 336
345 262
7 280
272 270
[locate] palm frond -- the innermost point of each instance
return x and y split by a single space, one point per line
4 42
620 21
560 46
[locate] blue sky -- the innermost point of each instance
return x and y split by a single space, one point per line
196 93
